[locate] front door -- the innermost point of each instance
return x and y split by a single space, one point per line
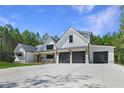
39 58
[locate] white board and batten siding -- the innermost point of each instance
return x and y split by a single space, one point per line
100 48
30 57
49 41
42 47
26 57
78 40
20 59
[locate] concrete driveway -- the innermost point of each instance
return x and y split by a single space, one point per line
63 75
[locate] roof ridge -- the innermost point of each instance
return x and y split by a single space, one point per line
85 31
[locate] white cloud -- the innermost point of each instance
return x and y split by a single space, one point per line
104 19
4 21
83 8
13 16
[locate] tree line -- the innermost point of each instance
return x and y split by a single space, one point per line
115 39
10 37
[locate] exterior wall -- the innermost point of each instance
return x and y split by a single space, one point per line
48 60
20 59
27 57
57 57
49 42
43 46
98 48
78 40
30 57
87 56
45 60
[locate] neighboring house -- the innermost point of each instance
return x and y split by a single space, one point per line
73 47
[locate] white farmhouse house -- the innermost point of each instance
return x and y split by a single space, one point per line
73 47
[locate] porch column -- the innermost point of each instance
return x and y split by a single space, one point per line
57 57
86 57
70 56
25 57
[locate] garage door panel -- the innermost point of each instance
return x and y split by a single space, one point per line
64 57
78 57
100 57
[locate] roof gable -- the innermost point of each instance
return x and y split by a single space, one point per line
17 47
49 41
73 32
27 48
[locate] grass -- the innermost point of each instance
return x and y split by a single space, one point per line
120 64
9 65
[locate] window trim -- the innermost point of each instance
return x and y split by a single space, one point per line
50 48
70 38
19 54
49 56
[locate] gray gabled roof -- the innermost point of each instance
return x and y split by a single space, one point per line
86 34
54 39
28 48
40 47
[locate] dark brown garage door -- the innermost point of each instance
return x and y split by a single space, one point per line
64 57
78 57
100 57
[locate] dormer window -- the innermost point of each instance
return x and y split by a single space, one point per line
71 39
49 47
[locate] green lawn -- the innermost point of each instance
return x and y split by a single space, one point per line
8 65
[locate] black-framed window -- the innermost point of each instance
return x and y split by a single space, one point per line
49 47
71 39
19 54
49 56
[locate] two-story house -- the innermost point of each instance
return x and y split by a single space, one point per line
73 47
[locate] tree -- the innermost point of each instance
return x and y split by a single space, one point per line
26 37
55 38
44 37
97 40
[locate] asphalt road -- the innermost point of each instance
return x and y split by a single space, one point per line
63 76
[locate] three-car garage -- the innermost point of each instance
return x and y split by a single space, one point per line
95 54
